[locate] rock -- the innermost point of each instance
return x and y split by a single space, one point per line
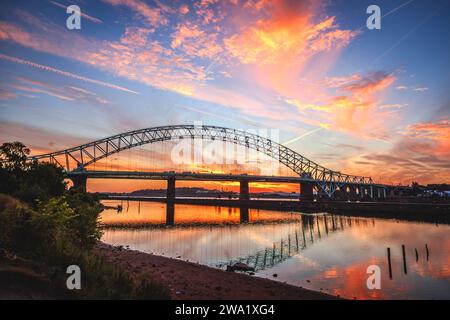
275 275
239 266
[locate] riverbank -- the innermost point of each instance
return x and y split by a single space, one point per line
190 281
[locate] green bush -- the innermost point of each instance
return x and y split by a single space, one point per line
15 218
86 224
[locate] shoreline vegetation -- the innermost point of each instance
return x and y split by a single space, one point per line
44 228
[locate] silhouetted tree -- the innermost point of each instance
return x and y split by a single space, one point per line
13 155
26 180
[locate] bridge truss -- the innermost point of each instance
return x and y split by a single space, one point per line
89 153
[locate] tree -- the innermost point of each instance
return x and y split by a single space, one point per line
13 155
25 180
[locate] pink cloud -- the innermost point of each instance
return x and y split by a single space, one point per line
154 16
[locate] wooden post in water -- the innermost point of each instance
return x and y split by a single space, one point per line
289 245
273 254
428 253
389 262
318 227
265 257
404 259
304 238
417 255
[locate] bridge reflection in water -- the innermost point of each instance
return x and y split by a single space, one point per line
310 229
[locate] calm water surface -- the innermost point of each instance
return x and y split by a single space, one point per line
320 251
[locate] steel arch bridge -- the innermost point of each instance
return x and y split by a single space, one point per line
89 153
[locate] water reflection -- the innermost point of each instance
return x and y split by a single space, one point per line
319 251
152 213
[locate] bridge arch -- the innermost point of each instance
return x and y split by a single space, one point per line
91 152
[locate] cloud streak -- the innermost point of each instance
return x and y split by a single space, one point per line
64 73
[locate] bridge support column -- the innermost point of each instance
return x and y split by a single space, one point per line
244 190
170 205
79 182
306 191
361 192
371 191
384 192
170 189
353 193
378 192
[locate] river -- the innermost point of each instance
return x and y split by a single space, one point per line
323 252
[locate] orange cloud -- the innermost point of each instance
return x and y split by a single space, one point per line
430 137
280 46
195 42
353 107
421 153
356 111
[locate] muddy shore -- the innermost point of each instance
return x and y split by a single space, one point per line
190 281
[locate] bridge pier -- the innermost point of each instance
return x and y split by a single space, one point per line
306 191
244 190
79 182
353 193
170 205
170 190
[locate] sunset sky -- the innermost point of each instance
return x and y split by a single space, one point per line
365 102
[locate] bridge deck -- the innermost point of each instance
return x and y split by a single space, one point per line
192 176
